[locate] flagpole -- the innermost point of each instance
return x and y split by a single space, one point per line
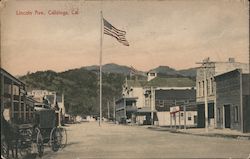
101 31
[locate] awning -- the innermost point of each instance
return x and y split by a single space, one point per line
145 110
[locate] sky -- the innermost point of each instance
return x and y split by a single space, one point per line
175 33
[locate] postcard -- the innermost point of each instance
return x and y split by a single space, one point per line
125 79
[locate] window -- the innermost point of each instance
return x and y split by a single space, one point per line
236 114
212 85
208 86
182 114
203 88
161 103
152 74
199 89
189 116
218 114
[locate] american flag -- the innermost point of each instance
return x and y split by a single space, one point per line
116 33
133 70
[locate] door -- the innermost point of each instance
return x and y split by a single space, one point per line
227 116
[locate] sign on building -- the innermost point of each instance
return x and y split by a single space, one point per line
174 109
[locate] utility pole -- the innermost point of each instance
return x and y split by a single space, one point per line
125 111
175 115
205 96
185 120
152 105
114 110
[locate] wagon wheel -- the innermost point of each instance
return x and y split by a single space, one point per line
39 143
55 137
63 137
4 149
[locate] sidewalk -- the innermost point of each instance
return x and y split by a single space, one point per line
225 133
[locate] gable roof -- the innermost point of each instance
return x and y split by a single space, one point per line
136 83
163 82
171 82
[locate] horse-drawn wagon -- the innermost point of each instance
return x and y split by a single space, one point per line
25 129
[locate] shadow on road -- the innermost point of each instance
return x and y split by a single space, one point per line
72 143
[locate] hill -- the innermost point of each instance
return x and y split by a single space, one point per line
80 87
162 70
168 71
110 68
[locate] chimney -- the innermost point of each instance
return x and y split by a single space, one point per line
231 60
151 75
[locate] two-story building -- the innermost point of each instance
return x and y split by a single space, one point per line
16 107
205 75
126 110
146 94
233 100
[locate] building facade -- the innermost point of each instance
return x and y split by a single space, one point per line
145 93
16 107
125 110
205 75
233 100
182 97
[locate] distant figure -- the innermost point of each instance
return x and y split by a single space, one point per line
56 106
46 103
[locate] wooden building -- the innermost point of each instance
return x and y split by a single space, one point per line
233 100
16 107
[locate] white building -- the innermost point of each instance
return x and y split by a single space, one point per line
146 97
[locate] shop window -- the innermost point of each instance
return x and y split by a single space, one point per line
189 116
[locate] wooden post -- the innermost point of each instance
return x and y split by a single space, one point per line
174 120
114 117
12 102
185 124
2 93
151 105
179 119
125 113
171 120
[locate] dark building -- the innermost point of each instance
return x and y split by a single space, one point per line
182 97
233 100
164 99
16 107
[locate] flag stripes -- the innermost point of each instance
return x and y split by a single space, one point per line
133 70
116 33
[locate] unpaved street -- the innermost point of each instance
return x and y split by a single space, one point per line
88 140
